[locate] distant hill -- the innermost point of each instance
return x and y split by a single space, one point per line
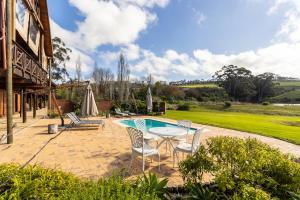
287 92
200 85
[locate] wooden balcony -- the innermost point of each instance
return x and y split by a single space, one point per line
25 66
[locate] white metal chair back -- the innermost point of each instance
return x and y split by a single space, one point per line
140 124
136 137
186 124
196 140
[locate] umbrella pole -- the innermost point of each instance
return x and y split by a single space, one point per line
58 110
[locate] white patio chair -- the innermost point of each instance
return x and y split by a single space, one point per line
186 125
188 148
140 124
140 148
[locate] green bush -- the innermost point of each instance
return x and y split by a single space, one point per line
227 104
183 107
236 163
40 183
251 193
265 103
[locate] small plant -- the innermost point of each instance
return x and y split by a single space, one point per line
227 104
52 114
203 192
183 107
151 184
266 103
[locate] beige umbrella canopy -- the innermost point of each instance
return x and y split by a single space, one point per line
89 107
149 99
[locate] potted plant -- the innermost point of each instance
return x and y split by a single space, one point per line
107 114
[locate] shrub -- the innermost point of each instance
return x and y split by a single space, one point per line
227 104
204 192
235 163
40 183
266 103
183 107
251 193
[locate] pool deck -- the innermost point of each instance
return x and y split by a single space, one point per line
90 152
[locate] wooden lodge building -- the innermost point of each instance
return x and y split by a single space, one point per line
31 56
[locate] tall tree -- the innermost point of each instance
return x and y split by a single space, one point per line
78 69
103 78
237 81
123 79
264 86
60 58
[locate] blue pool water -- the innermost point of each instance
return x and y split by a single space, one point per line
150 123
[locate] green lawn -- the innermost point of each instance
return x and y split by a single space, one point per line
289 83
292 96
269 125
250 108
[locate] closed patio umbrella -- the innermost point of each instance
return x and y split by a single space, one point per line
149 100
89 107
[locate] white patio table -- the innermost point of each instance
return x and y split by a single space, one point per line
167 134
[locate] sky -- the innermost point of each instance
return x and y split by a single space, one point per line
180 39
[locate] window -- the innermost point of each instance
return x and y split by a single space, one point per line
33 31
20 12
21 19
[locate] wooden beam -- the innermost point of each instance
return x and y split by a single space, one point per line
21 103
9 75
34 105
24 106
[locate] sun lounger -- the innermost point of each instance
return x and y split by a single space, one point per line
130 113
76 121
122 114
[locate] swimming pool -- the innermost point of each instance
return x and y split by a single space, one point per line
151 123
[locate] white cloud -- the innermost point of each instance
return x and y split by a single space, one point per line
281 58
199 16
131 53
144 3
107 22
290 29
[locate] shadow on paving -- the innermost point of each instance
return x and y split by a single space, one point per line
121 162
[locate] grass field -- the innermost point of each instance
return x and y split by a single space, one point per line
289 83
207 85
277 126
292 96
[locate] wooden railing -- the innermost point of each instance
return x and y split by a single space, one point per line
27 67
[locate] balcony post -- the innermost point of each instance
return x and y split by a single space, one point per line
24 106
34 105
49 95
9 71
21 102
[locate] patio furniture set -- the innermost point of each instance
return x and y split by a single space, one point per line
174 137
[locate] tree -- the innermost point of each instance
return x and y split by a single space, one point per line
237 81
123 79
264 86
103 78
60 58
78 69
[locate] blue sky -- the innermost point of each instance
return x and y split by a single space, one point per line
180 39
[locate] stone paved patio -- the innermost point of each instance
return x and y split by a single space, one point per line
90 152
